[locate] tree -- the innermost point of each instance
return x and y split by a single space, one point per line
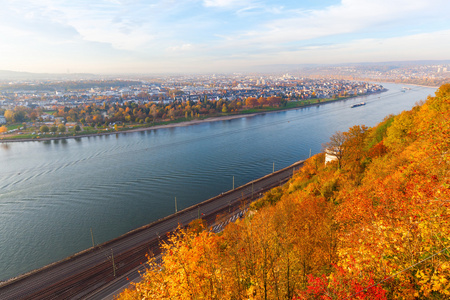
262 101
328 234
19 116
336 145
274 101
61 128
53 129
3 129
9 116
154 111
77 128
44 128
251 102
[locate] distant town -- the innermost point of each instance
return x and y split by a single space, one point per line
50 95
35 108
419 73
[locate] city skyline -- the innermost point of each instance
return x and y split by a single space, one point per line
189 36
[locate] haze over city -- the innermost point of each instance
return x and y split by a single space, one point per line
216 35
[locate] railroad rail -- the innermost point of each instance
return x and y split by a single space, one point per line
83 274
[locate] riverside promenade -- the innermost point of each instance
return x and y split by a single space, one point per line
84 274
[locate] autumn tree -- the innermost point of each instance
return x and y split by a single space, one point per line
9 116
251 102
274 101
336 146
262 101
375 228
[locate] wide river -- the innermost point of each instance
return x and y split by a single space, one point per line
53 193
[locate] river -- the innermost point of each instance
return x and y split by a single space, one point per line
53 193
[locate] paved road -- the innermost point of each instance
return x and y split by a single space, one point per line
87 272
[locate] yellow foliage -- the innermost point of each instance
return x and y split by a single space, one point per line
382 214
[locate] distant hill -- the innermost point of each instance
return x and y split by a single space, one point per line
14 76
288 68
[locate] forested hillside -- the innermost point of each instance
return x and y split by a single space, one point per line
373 224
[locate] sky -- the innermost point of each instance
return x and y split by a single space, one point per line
192 36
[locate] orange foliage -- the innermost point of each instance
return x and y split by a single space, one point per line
251 102
374 226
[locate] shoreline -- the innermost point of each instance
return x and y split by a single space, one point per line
179 124
171 125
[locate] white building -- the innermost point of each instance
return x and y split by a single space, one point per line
2 120
331 155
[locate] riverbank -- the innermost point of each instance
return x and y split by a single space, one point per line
178 124
54 192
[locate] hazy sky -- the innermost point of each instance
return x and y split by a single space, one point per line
114 36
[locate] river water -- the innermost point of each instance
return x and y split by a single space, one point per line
53 193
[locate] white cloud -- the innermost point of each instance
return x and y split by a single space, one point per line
111 22
350 16
222 32
427 46
184 47
224 3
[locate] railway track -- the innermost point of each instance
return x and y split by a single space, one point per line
84 273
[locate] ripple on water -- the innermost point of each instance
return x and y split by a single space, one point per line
51 195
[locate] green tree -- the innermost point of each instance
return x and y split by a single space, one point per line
44 128
61 128
77 128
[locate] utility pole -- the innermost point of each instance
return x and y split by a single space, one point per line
114 266
273 168
176 205
233 182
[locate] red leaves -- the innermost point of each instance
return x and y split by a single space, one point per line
382 212
342 284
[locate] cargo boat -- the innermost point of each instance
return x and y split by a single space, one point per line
358 104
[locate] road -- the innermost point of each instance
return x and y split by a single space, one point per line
85 273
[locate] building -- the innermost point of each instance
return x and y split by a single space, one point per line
2 120
331 155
